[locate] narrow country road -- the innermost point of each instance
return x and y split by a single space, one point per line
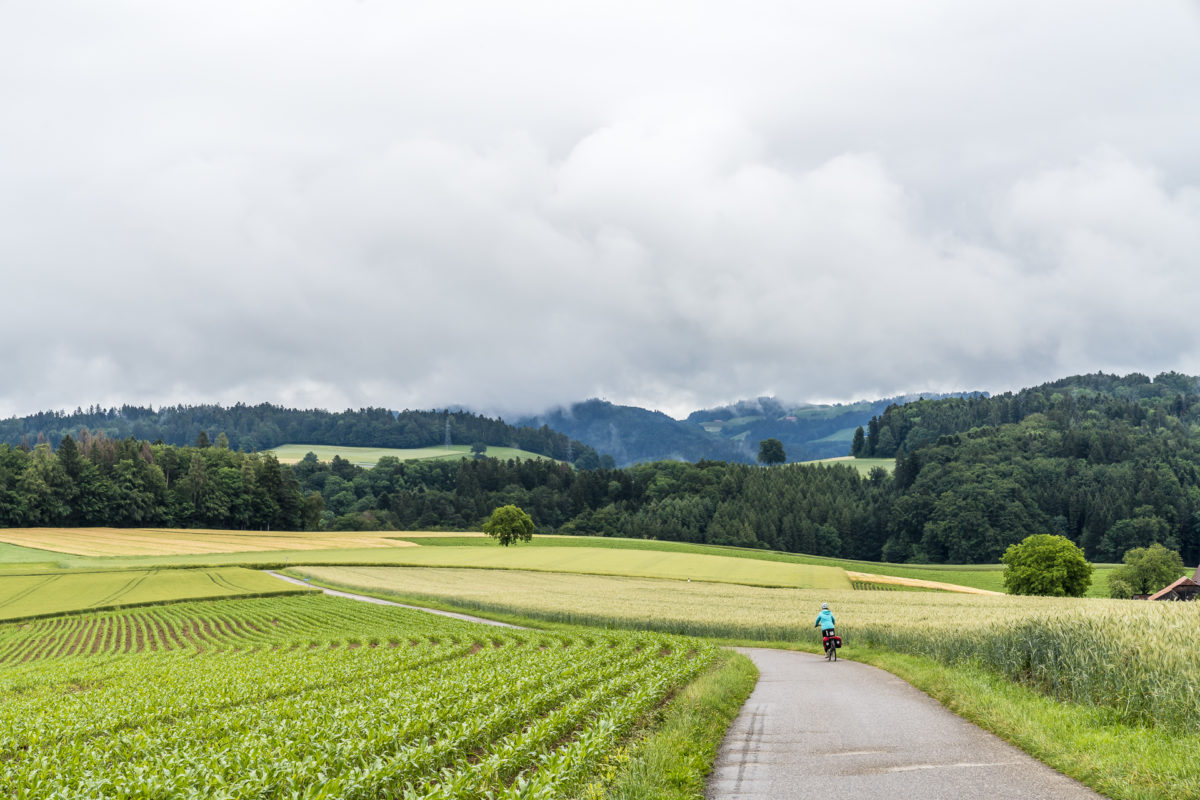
365 599
847 730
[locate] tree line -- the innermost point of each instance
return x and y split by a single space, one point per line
97 481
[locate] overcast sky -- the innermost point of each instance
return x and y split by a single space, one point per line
515 205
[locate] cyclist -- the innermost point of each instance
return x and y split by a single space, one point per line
825 623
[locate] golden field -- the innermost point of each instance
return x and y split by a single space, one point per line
169 542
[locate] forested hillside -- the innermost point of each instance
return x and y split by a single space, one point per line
631 435
264 426
807 431
1133 398
1111 462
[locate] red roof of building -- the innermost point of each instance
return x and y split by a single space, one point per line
1177 584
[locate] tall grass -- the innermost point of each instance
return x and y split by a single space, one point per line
1136 659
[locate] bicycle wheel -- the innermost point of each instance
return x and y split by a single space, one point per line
832 652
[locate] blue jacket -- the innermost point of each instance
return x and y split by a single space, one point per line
824 619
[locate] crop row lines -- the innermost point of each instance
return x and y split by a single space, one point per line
385 734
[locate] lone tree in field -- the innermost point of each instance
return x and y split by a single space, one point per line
1146 570
1047 565
770 451
509 524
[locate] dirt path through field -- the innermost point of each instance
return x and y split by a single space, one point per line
812 729
365 599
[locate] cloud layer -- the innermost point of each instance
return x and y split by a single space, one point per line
515 205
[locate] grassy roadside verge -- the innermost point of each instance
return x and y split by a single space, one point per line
673 761
1121 761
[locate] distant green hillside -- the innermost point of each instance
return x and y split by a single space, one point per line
1075 401
1112 462
808 432
631 435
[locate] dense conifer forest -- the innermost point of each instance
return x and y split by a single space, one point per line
1112 463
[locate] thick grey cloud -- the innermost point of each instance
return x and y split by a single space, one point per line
521 204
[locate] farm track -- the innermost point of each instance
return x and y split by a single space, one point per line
813 729
365 599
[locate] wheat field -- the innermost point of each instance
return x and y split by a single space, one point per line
180 541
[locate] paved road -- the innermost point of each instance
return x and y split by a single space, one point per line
846 730
364 599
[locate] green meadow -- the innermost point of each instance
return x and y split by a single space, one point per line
15 554
863 465
369 456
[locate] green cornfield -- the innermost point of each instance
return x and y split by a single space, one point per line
313 697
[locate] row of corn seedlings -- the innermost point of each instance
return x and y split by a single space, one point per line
400 703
